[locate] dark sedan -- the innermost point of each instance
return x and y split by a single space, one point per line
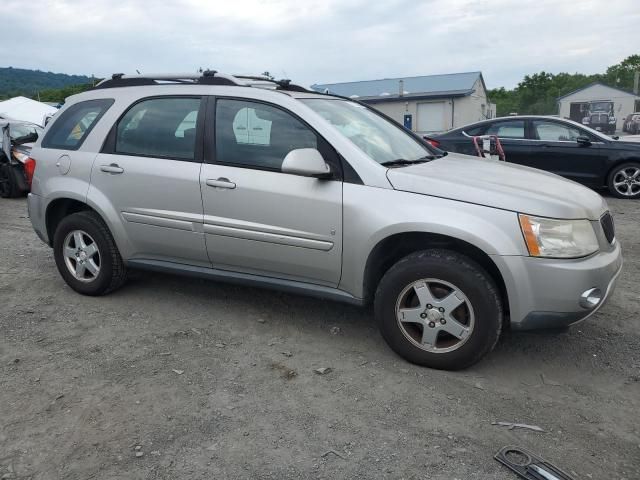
559 146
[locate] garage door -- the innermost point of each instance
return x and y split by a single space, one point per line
431 117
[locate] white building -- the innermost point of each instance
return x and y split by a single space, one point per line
574 105
426 104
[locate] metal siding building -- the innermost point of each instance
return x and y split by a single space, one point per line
572 105
426 104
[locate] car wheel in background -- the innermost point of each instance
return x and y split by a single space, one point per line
86 254
624 180
8 182
439 309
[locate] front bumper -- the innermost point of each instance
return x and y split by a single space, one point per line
35 208
546 293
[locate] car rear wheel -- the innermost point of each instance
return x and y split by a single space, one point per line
86 255
439 309
8 182
624 181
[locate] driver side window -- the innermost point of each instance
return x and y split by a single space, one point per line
256 135
555 132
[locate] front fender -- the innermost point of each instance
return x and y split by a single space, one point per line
373 214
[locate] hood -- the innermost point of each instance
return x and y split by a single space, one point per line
500 185
628 141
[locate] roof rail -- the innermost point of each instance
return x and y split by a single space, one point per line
208 77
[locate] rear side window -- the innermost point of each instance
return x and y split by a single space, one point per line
476 131
511 129
159 127
70 129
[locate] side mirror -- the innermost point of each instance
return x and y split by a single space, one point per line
583 140
29 138
306 162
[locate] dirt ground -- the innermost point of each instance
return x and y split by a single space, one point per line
172 378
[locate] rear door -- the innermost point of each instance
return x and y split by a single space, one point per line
555 149
149 171
513 138
257 219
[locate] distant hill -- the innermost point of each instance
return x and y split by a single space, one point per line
20 81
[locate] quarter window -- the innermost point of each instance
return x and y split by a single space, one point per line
70 129
159 127
258 135
510 129
554 132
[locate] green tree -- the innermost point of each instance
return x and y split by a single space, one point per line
538 93
58 95
621 75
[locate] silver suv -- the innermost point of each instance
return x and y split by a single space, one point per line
264 183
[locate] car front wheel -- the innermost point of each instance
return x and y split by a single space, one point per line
439 309
624 181
86 254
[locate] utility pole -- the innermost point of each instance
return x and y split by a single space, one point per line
636 81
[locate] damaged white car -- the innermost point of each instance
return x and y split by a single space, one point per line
16 166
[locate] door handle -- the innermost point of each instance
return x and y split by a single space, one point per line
221 182
113 168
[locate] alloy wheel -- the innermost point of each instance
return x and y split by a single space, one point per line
626 181
435 315
81 255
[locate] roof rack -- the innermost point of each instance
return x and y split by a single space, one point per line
207 77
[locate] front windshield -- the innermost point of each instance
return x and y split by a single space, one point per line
601 107
380 139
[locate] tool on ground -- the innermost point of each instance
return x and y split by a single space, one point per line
529 466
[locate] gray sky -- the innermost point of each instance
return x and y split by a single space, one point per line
323 41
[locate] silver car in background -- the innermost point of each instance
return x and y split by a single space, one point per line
264 183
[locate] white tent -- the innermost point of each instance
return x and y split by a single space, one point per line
25 109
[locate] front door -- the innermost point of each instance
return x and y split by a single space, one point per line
556 149
149 171
257 219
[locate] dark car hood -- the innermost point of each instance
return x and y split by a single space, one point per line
500 185
631 145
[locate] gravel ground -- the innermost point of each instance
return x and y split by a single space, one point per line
172 377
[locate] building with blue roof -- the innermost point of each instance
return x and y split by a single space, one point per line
424 104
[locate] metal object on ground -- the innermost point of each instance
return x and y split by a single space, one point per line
489 146
529 466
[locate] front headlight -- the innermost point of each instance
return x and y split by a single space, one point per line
548 237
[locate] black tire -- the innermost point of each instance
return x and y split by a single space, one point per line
112 273
456 269
8 182
612 178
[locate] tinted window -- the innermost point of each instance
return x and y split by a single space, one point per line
476 131
73 125
554 132
159 127
510 129
254 134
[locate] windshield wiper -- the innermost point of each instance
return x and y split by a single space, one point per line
399 162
